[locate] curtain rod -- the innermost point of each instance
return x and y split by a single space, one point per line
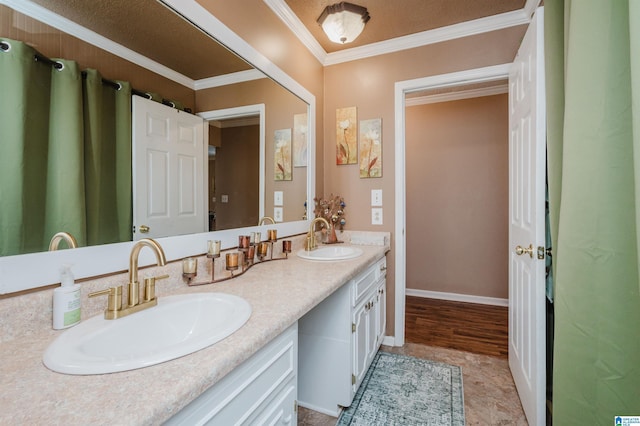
58 65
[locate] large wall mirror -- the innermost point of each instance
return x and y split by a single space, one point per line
177 49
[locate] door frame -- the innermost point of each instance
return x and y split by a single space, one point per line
478 75
240 112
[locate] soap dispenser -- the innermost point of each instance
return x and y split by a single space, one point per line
66 300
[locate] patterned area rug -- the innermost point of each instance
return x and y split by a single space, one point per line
403 390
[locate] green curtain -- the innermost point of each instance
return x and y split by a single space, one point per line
594 190
65 154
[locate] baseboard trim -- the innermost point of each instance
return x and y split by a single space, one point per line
389 341
456 297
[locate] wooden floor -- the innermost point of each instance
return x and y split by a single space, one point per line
481 329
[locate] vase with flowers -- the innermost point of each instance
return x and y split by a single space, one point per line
332 209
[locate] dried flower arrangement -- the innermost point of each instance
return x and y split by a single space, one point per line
332 209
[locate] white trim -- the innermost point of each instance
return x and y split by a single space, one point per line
240 112
451 32
291 20
388 341
457 297
478 75
227 79
458 95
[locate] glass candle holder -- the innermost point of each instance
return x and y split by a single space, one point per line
272 234
244 241
262 250
213 248
232 261
189 266
286 246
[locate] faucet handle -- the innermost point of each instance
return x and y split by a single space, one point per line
114 301
150 287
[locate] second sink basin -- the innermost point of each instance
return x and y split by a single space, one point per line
333 252
177 326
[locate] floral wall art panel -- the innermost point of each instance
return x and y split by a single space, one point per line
370 148
300 127
282 155
346 136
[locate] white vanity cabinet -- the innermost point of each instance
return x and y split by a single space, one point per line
262 390
338 340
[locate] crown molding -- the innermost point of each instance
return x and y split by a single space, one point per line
456 96
451 32
291 20
227 79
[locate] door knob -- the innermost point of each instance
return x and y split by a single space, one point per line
144 229
522 250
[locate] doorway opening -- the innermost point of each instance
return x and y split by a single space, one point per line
403 91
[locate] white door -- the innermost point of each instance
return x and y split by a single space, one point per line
169 185
527 222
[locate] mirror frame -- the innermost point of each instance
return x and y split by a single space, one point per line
30 271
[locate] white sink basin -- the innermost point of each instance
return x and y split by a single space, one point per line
329 253
177 326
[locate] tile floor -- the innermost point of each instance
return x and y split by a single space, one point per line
490 396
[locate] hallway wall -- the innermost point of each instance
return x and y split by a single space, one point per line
457 196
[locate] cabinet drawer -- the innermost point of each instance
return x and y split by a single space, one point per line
250 390
364 282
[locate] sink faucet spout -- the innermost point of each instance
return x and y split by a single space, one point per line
133 266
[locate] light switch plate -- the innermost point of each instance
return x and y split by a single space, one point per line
277 214
224 198
376 197
278 198
376 216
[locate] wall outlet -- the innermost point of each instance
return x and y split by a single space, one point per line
278 198
277 214
376 197
376 216
224 198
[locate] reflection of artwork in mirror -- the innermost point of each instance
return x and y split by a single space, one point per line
370 148
300 140
282 155
346 136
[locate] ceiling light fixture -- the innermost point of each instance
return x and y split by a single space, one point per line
343 22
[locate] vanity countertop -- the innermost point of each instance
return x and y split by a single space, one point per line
279 292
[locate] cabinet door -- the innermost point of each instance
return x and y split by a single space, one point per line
372 319
381 323
360 343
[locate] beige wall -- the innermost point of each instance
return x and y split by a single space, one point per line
457 196
368 84
280 108
236 175
256 23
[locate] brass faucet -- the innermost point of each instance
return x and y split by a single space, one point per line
311 236
114 306
67 237
264 219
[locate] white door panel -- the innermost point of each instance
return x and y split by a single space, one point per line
170 165
527 222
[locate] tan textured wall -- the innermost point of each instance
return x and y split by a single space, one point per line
368 84
457 196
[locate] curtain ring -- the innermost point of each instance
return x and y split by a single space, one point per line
119 86
5 46
59 66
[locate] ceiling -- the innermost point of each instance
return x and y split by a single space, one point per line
391 19
141 25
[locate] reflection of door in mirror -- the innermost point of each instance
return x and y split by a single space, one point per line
169 169
235 197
